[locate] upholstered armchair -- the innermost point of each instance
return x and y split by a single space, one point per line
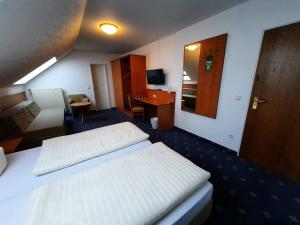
78 98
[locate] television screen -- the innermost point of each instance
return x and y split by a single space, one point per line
156 76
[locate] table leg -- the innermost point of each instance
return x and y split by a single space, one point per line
82 115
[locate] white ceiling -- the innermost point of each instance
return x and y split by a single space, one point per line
141 21
33 31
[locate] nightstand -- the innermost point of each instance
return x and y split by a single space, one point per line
10 145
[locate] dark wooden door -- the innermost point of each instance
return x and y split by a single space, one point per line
272 131
117 81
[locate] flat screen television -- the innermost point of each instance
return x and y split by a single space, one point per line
156 76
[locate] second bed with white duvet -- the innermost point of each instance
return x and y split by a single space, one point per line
139 188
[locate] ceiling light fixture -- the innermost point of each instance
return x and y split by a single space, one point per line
108 28
192 47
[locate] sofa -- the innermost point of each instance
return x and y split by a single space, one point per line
34 124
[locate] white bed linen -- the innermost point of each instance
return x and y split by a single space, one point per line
139 188
180 215
61 152
18 179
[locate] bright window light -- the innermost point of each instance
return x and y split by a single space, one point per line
36 72
186 77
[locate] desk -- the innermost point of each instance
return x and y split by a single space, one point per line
82 107
164 112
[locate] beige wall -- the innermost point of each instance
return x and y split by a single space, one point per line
73 74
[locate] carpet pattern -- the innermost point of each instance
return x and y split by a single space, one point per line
244 193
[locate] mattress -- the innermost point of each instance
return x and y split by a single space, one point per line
182 214
139 188
15 194
17 179
61 152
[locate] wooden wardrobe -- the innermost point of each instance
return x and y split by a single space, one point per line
129 78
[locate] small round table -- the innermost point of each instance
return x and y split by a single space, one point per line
82 107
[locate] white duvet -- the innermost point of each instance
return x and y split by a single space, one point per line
61 152
132 190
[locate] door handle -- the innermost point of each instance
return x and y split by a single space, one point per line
256 101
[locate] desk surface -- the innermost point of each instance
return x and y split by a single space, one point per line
153 101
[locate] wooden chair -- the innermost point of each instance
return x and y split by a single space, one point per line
135 110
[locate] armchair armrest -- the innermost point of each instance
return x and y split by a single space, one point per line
85 100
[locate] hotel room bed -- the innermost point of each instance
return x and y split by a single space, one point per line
18 177
19 204
18 184
14 210
61 152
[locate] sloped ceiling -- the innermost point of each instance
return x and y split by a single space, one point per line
33 31
142 21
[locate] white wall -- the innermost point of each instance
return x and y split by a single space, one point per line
73 74
11 90
245 25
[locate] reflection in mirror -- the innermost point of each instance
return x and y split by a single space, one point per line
190 76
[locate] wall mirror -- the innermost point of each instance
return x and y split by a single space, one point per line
201 77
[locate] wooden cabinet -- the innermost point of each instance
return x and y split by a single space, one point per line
129 78
117 80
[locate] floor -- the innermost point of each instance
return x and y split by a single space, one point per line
243 192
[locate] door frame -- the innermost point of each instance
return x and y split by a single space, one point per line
93 87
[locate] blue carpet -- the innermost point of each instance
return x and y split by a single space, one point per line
244 193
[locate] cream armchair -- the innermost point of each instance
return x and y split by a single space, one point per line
78 98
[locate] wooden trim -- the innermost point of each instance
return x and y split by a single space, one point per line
11 100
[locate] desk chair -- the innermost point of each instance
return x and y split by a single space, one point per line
135 110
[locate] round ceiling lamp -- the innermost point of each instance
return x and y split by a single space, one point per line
108 28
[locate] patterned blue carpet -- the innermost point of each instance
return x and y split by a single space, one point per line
244 193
